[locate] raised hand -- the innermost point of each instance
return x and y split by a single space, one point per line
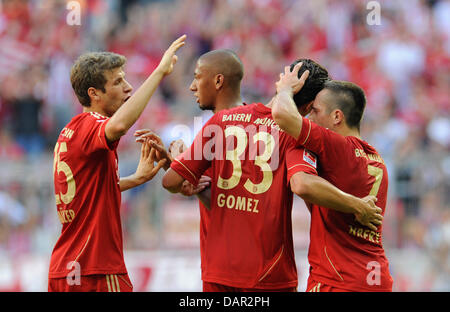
370 215
169 58
289 81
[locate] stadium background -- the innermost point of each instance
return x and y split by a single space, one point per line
402 64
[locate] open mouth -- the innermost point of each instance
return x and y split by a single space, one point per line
126 99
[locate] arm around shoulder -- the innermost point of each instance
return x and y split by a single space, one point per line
319 191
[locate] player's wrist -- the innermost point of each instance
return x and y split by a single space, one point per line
159 72
167 164
357 205
285 91
140 178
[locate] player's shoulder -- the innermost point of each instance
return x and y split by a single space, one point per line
366 151
362 144
83 122
241 113
240 109
95 116
88 118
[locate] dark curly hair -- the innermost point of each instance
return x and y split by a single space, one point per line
315 82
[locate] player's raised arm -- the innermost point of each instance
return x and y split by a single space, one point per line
284 110
130 111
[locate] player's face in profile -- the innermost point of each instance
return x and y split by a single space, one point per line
319 113
117 91
203 87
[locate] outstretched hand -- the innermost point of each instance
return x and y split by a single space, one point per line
169 58
156 143
146 169
371 215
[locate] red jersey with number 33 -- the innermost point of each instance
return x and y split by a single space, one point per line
343 253
249 241
88 197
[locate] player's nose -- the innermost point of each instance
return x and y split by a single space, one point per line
128 87
192 87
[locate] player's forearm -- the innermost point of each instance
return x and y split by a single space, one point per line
317 190
131 181
172 181
130 111
286 115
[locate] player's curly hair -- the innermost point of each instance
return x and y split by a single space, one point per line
315 82
88 69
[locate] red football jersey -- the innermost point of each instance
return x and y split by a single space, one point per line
342 252
249 240
88 197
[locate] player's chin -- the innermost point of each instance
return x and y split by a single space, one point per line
204 107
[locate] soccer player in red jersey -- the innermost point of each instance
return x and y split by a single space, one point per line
249 242
343 255
88 255
217 86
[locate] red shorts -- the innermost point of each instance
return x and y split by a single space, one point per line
213 287
87 283
314 286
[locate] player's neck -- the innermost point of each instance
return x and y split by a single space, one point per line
93 110
227 103
346 131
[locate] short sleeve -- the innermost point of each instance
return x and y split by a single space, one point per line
93 137
326 144
299 159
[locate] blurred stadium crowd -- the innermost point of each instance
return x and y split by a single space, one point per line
402 64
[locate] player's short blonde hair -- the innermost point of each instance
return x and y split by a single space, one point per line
88 71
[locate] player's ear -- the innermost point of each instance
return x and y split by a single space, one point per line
93 94
219 80
338 117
